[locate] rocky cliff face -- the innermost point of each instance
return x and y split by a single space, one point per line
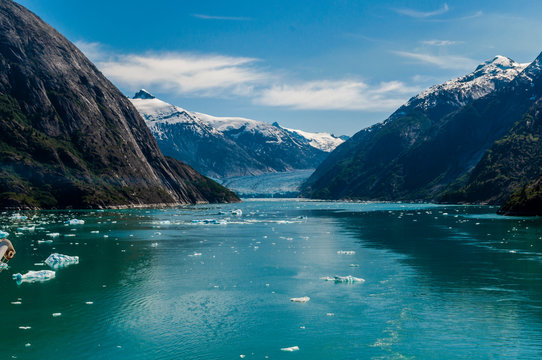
431 141
69 138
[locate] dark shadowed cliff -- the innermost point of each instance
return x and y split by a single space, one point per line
69 138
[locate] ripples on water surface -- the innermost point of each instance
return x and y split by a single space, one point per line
441 282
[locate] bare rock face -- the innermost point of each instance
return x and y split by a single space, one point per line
69 137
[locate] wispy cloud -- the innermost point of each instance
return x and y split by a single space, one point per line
337 95
214 17
181 73
440 42
204 75
442 61
422 14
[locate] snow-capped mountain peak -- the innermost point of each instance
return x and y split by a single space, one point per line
143 94
487 77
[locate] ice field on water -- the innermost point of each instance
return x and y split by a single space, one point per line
201 282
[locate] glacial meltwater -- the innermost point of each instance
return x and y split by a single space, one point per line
283 279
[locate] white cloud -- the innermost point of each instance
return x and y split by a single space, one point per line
338 95
213 17
222 76
181 73
442 61
422 14
441 42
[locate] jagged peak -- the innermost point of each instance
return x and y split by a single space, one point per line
144 94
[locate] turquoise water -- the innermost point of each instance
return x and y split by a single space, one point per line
441 282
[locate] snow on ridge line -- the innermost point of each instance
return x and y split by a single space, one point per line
156 111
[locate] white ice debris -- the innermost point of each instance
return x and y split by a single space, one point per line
34 276
303 299
346 252
210 221
290 349
18 216
53 234
349 279
59 260
3 234
75 222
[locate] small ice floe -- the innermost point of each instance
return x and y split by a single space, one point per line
89 302
34 276
18 216
237 212
16 303
75 222
59 260
25 327
154 244
354 265
3 234
26 228
330 314
195 254
45 241
56 314
210 221
290 349
303 299
346 252
95 232
53 234
349 279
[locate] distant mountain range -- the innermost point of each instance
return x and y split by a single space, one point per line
474 139
224 147
69 138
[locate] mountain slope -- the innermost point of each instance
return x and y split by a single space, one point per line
427 143
228 146
515 160
69 138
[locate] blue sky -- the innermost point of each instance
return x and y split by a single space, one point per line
321 65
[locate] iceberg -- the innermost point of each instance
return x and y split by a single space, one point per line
303 299
34 276
349 279
75 222
59 260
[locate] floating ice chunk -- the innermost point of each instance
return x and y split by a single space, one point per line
53 234
59 260
349 279
56 314
210 221
290 349
95 232
75 222
303 299
3 234
45 241
3 266
18 216
354 265
346 252
195 254
26 228
25 327
34 276
237 212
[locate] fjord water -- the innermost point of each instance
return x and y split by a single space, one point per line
442 282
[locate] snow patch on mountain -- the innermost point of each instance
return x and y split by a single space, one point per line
157 112
485 79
